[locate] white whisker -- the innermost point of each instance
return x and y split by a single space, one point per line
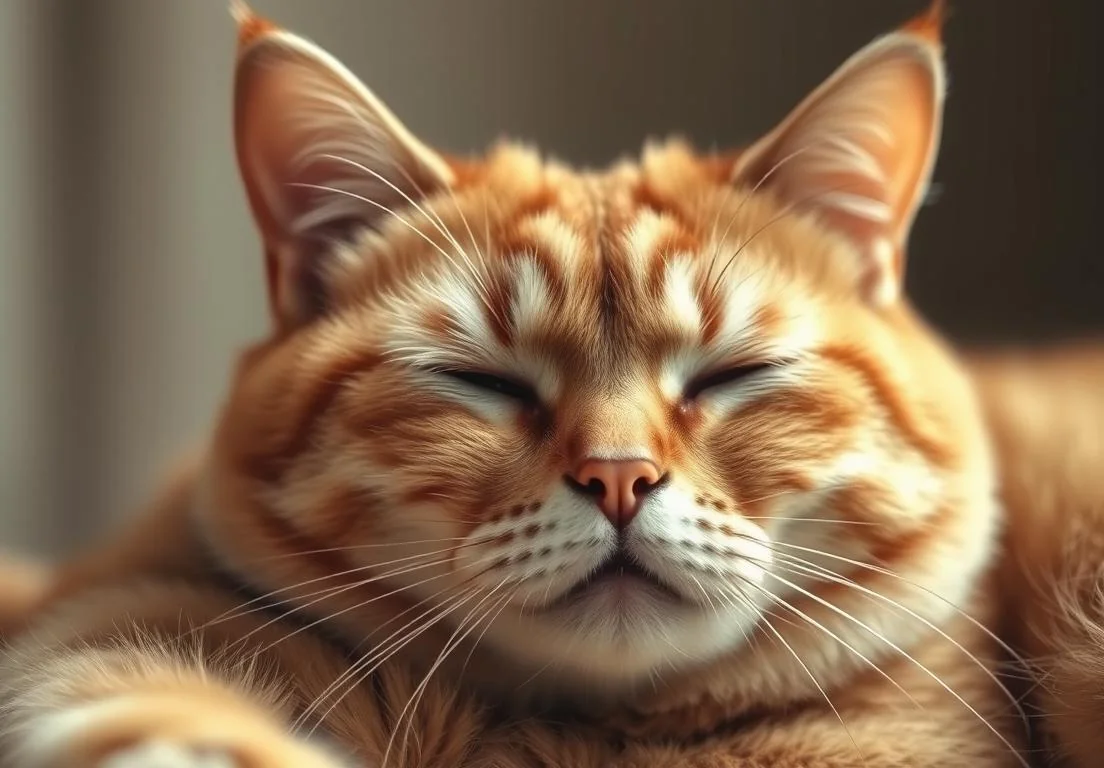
804 568
897 577
778 636
455 639
905 654
371 661
231 613
434 219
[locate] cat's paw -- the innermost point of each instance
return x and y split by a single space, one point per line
165 754
117 735
168 754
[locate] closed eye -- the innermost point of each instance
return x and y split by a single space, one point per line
500 385
723 377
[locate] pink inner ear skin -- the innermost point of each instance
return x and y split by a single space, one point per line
321 158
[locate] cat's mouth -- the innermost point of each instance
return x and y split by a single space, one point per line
620 572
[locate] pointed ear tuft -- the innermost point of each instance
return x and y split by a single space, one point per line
321 157
859 150
250 25
929 24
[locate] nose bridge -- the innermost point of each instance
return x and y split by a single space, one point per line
615 428
612 449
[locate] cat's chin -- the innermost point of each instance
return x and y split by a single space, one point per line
615 631
628 601
619 585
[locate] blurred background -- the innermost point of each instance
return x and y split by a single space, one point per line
130 273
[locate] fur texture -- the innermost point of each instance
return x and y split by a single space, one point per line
394 551
24 585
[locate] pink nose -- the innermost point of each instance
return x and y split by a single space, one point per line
618 486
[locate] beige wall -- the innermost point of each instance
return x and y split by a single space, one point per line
21 440
130 271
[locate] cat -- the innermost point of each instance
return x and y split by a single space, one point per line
651 466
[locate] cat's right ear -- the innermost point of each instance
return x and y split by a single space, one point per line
321 158
859 150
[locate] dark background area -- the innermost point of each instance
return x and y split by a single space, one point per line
132 273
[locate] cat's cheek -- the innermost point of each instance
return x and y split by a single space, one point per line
534 422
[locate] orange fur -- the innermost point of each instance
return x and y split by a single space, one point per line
22 586
812 578
1047 417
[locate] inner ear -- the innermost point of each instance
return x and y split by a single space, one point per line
321 157
859 150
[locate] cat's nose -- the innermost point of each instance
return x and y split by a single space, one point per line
618 487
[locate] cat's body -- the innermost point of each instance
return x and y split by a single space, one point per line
1046 415
1048 462
652 466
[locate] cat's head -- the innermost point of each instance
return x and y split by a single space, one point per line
608 423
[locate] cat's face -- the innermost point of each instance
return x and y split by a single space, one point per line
610 423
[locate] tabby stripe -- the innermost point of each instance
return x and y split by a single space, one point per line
518 247
672 242
496 310
270 466
712 307
939 453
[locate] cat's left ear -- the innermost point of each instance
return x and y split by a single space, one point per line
859 150
321 158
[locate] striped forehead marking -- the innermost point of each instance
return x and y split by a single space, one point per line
552 234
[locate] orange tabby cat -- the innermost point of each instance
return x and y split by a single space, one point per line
645 467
